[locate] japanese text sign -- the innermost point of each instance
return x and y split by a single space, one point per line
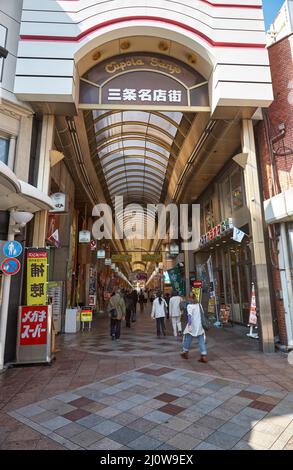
33 327
37 260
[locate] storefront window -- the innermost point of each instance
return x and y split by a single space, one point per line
4 147
209 217
226 195
232 193
234 280
237 190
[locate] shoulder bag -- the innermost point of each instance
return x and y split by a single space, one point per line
204 321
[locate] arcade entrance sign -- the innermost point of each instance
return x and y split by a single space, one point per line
143 80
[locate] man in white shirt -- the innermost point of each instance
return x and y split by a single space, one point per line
175 313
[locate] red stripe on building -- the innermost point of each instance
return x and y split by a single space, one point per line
217 5
28 37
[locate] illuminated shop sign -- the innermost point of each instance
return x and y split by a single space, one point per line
216 232
144 80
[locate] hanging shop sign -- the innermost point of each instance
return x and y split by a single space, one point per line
174 249
59 202
143 80
218 231
117 258
37 268
34 334
101 254
84 236
155 257
108 261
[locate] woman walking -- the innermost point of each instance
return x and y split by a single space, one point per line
141 300
159 312
195 328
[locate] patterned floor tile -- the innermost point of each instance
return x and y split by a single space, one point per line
125 435
159 407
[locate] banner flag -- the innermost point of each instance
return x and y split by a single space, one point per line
176 280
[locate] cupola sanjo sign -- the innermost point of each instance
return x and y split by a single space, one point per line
142 80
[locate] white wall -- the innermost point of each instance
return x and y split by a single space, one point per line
233 39
15 116
10 17
282 25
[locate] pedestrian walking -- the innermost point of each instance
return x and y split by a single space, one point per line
175 313
117 311
195 329
134 303
129 305
167 299
159 312
141 300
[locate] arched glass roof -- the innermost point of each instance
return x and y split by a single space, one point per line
134 149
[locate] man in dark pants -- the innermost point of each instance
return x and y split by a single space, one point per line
117 310
128 299
134 299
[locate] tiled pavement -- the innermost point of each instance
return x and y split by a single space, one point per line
159 407
142 395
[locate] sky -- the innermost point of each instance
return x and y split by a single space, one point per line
271 8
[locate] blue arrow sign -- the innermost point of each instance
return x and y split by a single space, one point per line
12 249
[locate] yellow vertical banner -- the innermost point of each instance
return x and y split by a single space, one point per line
37 273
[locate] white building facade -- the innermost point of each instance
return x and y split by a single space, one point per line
70 50
16 194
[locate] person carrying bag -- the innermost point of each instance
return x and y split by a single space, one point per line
195 328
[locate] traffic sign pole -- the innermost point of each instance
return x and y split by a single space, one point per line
5 304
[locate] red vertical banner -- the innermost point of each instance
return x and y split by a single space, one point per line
33 325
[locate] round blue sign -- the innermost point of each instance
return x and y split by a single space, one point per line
12 249
10 266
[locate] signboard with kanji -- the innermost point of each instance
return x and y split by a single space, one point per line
155 257
142 80
33 326
34 331
118 258
86 315
37 261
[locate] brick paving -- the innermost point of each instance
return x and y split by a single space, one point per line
148 397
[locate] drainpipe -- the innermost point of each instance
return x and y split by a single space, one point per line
286 260
5 303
